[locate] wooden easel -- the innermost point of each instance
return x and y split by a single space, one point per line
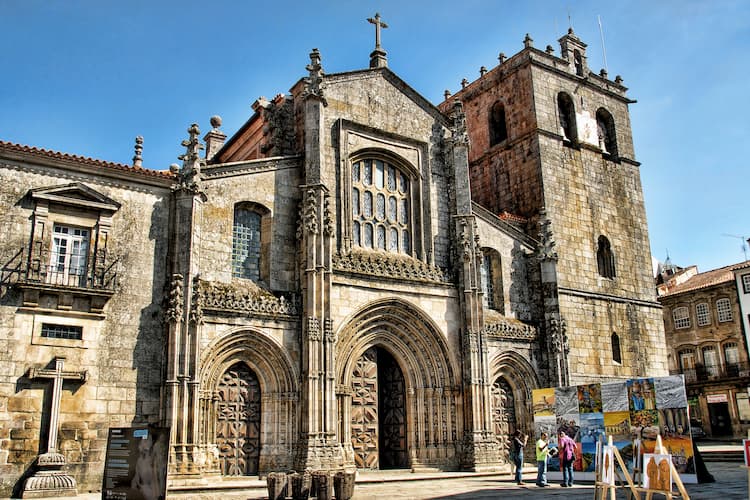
602 488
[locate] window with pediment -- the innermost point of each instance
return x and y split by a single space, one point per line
381 201
67 265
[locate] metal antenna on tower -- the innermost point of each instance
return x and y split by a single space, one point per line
604 48
745 241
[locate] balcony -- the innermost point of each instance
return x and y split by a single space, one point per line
64 288
702 374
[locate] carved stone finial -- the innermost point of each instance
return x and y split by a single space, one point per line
138 158
550 50
482 71
501 57
547 243
458 129
378 57
215 138
446 94
528 41
603 73
190 173
464 83
314 82
618 80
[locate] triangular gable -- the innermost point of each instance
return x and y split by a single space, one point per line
402 86
76 194
246 129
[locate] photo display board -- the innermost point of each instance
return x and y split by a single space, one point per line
632 411
136 464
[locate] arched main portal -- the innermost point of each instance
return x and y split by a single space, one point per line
513 379
238 421
248 413
378 423
392 350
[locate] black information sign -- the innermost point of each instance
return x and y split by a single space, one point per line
136 464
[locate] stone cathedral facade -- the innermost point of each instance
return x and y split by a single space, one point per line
355 278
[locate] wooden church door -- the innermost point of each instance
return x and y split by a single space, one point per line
238 421
378 425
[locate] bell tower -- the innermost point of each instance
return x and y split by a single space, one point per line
563 159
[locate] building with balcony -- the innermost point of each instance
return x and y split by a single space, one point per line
703 324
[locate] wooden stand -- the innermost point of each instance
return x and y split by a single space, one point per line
604 488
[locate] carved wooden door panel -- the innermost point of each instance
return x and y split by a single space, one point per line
238 421
503 412
365 410
392 394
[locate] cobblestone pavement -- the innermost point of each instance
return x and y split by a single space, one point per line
731 484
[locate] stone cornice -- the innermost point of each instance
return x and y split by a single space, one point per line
222 170
611 298
508 329
387 265
216 297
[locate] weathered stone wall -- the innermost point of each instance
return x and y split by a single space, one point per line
121 350
273 184
590 325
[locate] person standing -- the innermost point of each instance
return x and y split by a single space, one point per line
566 447
519 441
542 452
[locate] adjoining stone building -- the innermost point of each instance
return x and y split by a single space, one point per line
707 343
355 278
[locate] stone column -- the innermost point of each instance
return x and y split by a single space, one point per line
479 443
182 401
320 448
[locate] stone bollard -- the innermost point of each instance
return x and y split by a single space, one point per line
323 485
277 485
344 485
301 485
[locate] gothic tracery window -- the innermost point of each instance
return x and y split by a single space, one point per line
381 206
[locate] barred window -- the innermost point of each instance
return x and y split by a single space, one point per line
69 332
246 244
746 283
381 207
724 308
681 316
702 314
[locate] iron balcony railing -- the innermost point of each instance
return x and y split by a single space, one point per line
706 373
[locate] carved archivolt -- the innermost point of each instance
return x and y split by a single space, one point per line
268 359
429 369
388 265
248 298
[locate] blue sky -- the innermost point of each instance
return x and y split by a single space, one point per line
87 76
